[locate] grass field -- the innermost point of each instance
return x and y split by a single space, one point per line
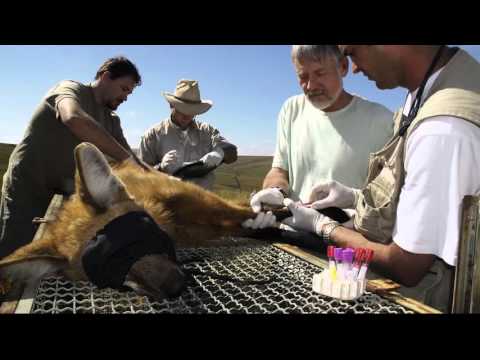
238 180
235 181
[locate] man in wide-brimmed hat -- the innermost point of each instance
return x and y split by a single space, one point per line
182 139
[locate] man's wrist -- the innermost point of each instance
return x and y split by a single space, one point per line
326 230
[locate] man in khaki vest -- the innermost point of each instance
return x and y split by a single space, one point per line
42 164
410 210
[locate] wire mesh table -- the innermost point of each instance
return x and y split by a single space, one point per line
263 279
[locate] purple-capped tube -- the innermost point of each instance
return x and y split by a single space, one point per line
338 259
347 261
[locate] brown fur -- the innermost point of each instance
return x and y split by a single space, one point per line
190 215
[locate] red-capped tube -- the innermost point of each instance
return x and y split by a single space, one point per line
367 258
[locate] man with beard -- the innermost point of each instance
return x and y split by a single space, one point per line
324 134
42 164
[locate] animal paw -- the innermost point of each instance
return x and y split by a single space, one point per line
5 286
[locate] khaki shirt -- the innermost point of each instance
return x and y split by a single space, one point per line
191 145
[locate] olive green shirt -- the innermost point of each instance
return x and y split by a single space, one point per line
45 154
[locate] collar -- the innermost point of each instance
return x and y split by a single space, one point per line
426 92
193 125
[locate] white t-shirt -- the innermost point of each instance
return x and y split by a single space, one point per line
442 162
315 146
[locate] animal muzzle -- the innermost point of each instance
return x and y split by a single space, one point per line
133 244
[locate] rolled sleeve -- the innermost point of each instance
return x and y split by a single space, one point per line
217 139
66 90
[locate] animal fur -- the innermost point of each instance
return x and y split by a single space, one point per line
190 215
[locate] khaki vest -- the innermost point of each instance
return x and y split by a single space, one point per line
456 92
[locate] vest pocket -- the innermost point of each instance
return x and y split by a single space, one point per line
379 192
375 209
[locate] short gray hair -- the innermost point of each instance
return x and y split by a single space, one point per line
316 52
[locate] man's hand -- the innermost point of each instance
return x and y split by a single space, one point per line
305 218
262 221
169 162
333 194
271 196
213 158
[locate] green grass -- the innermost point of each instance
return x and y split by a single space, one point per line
244 175
235 181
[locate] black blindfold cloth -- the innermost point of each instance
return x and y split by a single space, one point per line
111 253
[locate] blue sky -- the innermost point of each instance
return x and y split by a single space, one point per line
248 85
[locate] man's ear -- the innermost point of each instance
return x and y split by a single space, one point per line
106 76
95 182
343 66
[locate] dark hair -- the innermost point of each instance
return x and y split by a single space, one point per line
118 67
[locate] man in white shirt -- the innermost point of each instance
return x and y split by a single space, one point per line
324 134
410 210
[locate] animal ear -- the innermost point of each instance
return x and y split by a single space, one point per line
96 183
28 270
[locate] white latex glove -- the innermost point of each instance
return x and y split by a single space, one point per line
213 158
169 162
333 194
262 221
305 218
270 196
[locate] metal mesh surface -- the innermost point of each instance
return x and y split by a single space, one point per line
286 288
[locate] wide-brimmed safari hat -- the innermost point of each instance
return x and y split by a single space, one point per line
186 98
